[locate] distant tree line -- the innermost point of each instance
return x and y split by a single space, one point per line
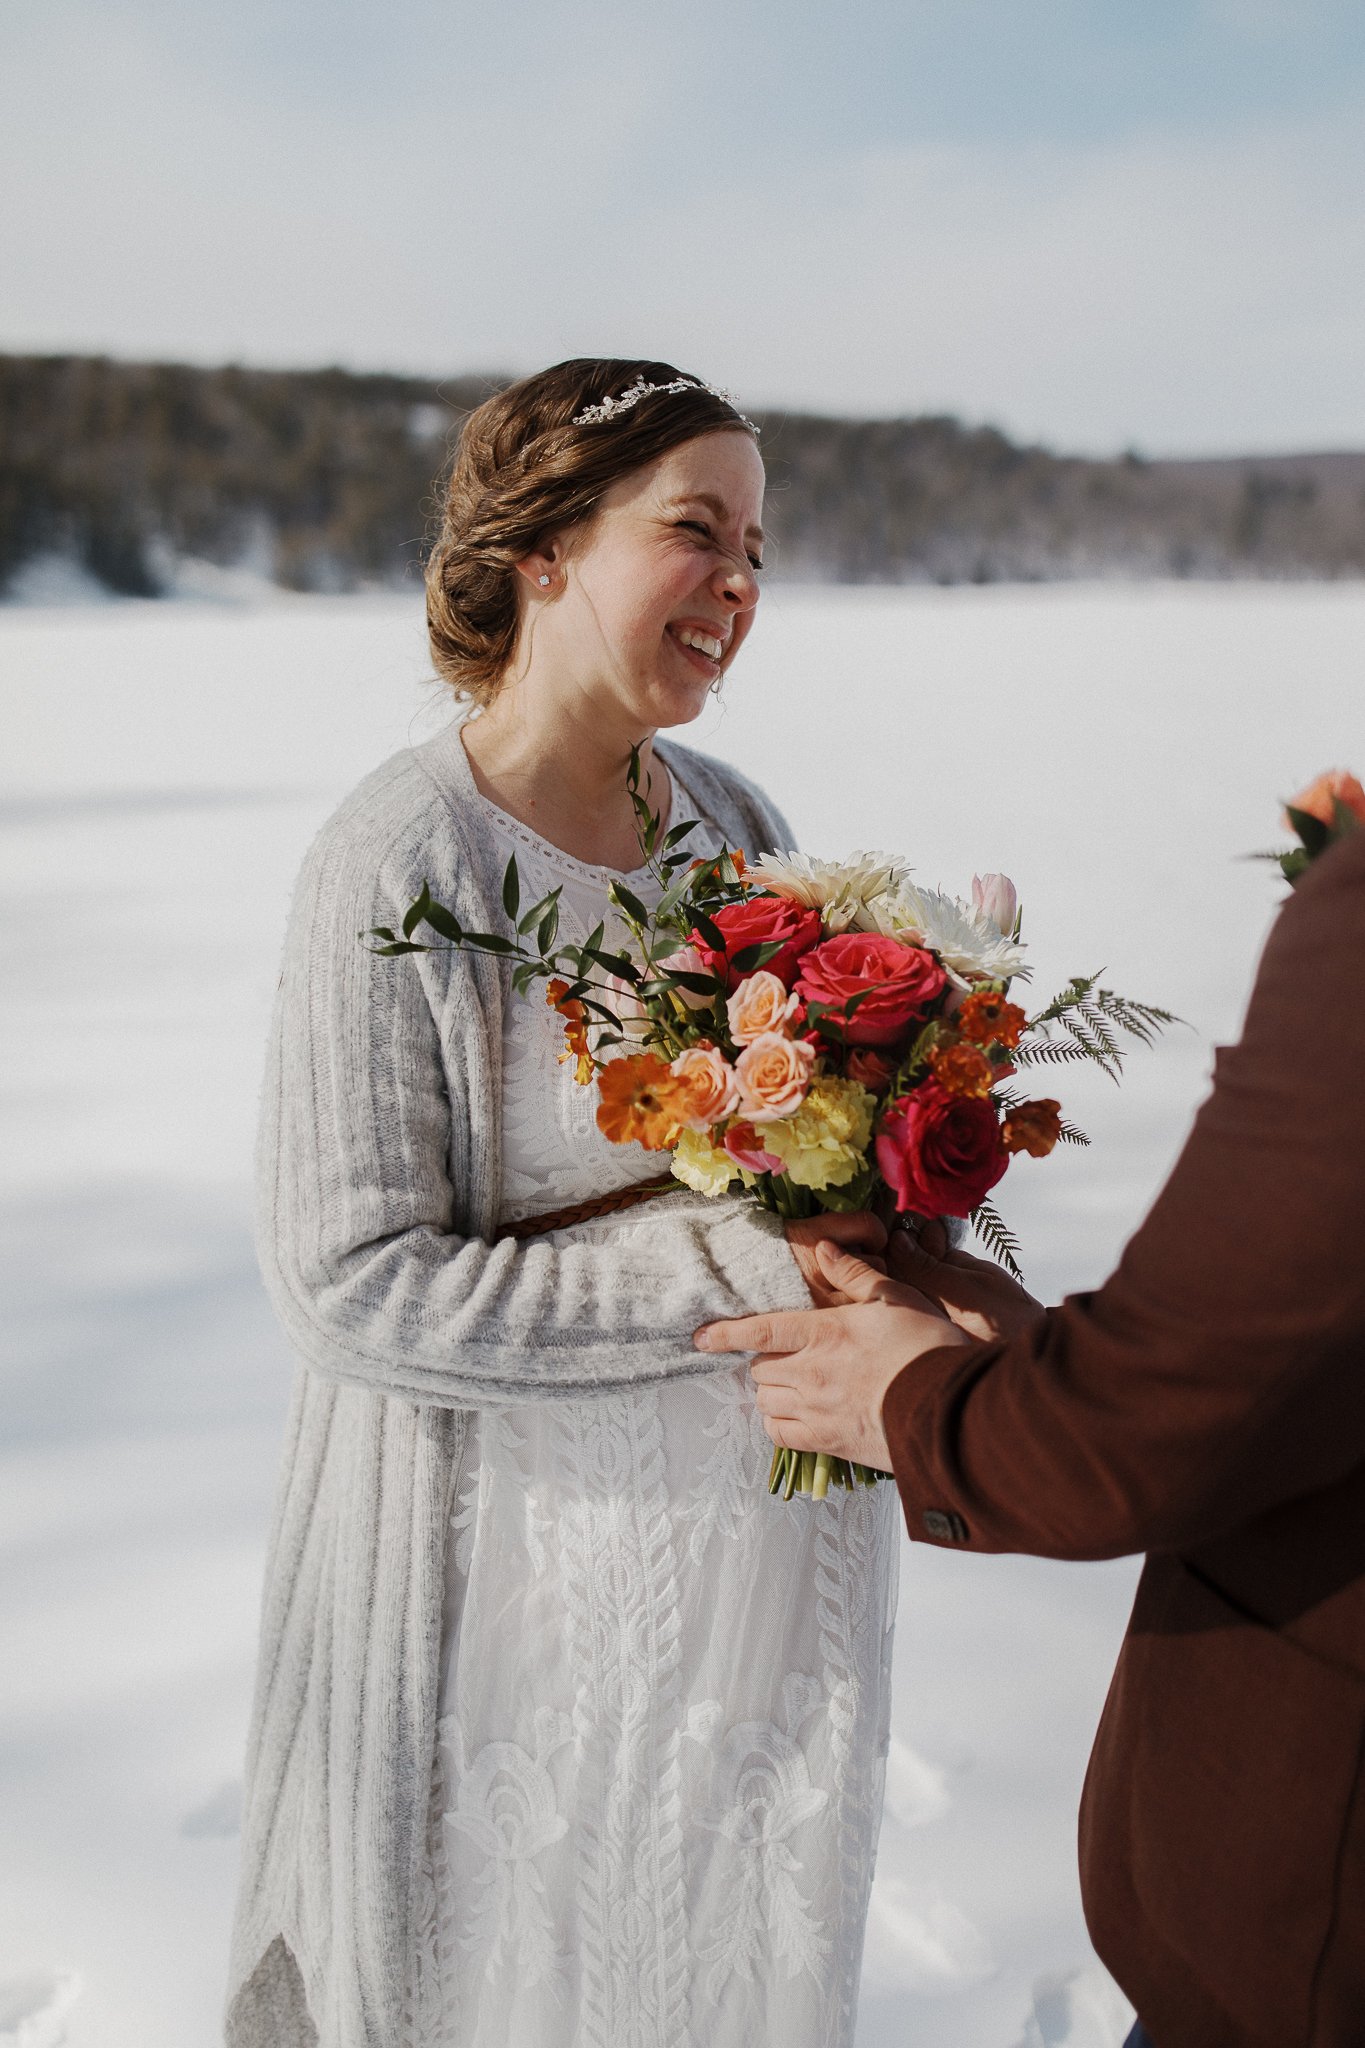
327 480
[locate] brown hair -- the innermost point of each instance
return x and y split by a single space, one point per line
521 470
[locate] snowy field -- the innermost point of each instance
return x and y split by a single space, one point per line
1114 749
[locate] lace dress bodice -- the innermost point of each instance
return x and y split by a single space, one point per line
552 1151
665 1695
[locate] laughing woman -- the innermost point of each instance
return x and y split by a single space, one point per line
566 1735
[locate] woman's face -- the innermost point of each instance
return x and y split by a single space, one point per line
660 588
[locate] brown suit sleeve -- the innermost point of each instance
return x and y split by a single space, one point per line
1221 1371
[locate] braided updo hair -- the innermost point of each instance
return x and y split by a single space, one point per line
521 470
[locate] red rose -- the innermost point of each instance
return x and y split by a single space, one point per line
873 1069
940 1154
905 981
760 922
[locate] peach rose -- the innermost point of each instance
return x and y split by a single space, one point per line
707 1086
774 1073
760 1003
1336 786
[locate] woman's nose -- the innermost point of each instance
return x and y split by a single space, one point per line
736 584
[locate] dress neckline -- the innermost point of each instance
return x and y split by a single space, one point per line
567 863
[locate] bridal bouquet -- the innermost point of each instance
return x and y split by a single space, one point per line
819 1034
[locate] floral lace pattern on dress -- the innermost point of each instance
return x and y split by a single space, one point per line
664 1698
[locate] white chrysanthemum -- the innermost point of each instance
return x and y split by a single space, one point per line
843 891
969 944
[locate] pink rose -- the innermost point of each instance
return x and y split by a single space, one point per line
710 1089
762 920
760 1003
619 996
774 1074
742 1143
905 982
686 960
941 1154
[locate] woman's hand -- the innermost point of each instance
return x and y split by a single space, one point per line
859 1232
979 1296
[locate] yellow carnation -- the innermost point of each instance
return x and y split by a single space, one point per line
701 1165
825 1144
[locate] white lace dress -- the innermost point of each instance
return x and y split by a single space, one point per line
665 1695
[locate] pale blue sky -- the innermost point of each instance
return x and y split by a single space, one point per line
1092 223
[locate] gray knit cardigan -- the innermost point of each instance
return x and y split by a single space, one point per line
378 1173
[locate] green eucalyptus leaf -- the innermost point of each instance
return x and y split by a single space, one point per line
626 899
415 912
613 963
511 888
695 984
748 958
445 922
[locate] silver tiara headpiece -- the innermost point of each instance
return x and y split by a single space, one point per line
612 408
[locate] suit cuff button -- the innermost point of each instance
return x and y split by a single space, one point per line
944 1528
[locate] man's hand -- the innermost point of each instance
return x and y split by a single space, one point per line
822 1374
980 1296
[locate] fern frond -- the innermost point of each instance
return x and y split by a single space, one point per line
1075 993
991 1227
1046 1052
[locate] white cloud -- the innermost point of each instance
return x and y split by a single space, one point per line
1190 294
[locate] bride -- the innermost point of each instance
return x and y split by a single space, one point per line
567 1734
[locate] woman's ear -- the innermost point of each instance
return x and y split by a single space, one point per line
544 568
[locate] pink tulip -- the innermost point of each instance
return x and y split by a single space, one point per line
996 897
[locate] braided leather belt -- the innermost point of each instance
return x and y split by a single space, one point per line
600 1205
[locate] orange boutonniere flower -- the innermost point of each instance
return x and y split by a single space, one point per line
1336 786
1034 1127
640 1102
987 1019
962 1069
575 1030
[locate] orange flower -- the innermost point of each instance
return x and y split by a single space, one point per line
962 1070
1336 786
987 1019
640 1102
1034 1127
575 1030
737 860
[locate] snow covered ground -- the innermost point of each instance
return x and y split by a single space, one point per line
1114 749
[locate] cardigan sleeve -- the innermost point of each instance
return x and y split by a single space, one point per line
1217 1375
359 1217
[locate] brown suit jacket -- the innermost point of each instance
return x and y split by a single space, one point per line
1207 1406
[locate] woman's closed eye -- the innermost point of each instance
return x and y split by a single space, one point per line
700 526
